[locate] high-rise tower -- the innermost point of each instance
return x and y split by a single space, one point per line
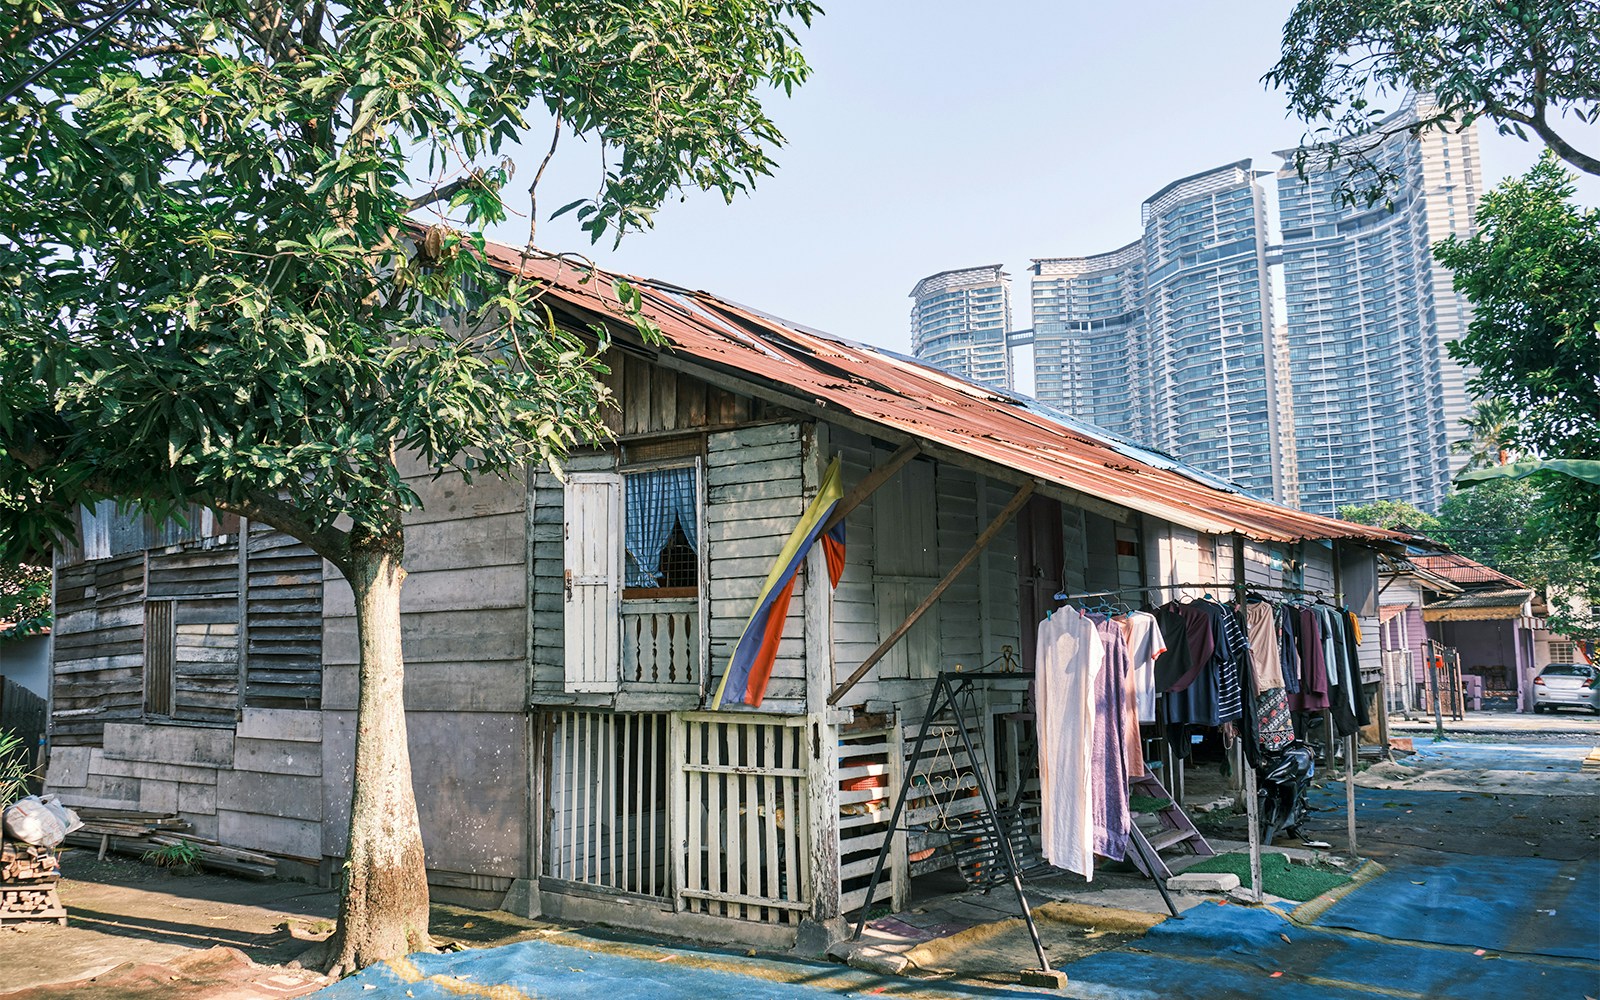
1377 400
959 322
1089 335
1213 398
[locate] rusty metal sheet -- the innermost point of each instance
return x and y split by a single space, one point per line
824 375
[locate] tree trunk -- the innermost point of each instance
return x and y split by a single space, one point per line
383 913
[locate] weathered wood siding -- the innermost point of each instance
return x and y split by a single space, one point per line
652 399
464 636
98 671
753 501
283 623
203 585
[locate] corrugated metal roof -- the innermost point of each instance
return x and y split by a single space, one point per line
826 375
1458 568
1481 605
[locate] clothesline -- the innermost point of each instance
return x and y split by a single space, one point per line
1191 586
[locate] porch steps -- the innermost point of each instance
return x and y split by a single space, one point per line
1165 829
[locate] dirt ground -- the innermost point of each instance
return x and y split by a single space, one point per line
136 931
127 921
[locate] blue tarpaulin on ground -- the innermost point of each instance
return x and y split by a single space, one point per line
1234 951
572 972
1535 906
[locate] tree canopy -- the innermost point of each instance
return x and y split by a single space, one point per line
1395 515
1533 344
1531 67
217 290
24 600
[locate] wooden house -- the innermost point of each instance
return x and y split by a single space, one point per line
563 634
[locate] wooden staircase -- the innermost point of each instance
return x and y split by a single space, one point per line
1164 830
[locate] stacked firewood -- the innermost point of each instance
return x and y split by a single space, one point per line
28 877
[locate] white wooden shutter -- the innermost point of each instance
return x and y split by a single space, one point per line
593 581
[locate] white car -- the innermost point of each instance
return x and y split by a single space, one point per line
1561 684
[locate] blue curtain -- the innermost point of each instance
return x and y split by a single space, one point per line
656 501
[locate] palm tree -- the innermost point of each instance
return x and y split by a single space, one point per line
1490 426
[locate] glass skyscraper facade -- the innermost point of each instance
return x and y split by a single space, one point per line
1376 399
1348 396
1212 377
1169 340
1089 335
960 320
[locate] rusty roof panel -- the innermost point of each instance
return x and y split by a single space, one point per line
826 374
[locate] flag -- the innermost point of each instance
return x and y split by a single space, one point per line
750 666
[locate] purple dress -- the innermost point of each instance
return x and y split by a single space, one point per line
1109 759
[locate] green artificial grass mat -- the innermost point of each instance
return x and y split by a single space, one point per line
1147 803
1279 877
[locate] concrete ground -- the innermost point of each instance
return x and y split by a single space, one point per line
1567 723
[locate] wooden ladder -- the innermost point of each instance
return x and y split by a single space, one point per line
1174 829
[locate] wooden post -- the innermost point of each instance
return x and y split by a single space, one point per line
988 535
898 860
1251 806
1350 789
821 735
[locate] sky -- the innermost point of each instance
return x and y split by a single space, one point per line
935 135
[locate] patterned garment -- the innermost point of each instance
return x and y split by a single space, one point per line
1276 724
1231 665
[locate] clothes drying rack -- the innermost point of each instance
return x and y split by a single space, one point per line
1242 589
949 688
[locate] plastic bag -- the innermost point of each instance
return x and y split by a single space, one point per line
42 822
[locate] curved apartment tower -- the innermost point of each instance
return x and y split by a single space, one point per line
1089 335
1376 398
1213 401
1169 340
959 322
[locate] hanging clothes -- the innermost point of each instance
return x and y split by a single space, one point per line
1276 724
1289 647
1313 694
1109 754
1070 658
1266 656
1353 640
1146 644
1232 663
1190 645
1341 688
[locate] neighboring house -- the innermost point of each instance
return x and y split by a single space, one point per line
1404 589
563 637
1495 623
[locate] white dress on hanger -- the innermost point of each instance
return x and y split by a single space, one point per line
1070 656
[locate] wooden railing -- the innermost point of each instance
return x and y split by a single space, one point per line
661 646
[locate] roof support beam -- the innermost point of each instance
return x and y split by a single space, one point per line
870 482
988 535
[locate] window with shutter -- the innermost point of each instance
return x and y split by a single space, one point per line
593 581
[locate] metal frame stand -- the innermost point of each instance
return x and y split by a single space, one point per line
947 688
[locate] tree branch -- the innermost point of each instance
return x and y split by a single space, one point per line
533 189
1541 127
445 192
330 542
